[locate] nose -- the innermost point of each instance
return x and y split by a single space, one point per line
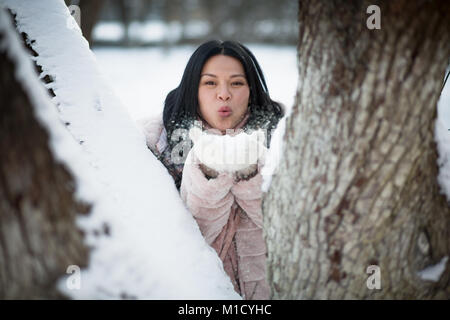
223 93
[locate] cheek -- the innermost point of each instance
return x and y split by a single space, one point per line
205 102
244 97
201 96
202 99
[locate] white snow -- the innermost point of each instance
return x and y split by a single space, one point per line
155 250
434 272
232 152
109 31
273 156
146 31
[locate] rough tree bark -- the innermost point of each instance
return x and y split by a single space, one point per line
38 235
356 185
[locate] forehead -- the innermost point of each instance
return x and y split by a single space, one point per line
221 64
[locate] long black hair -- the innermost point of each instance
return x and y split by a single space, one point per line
181 105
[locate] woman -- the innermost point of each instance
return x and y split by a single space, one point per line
223 87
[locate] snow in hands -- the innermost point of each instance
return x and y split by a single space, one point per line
228 153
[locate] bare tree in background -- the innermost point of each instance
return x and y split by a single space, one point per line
90 13
273 21
357 184
38 235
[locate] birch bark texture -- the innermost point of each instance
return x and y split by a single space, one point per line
357 182
39 238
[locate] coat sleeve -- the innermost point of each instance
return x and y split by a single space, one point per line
209 201
152 128
248 195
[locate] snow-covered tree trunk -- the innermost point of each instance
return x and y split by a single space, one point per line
38 235
357 186
133 240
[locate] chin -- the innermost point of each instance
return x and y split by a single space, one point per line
224 125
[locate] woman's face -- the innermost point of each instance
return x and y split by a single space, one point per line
223 92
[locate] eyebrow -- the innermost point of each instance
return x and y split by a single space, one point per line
214 76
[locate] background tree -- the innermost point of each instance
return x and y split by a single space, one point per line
191 21
90 13
357 182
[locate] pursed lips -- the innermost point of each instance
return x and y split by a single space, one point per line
224 111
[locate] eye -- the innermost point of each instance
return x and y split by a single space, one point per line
237 83
209 83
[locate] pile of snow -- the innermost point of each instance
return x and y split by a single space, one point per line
154 248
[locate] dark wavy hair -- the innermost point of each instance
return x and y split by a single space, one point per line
181 105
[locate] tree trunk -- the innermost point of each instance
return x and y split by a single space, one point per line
357 183
90 13
38 235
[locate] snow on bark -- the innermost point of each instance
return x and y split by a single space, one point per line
357 182
442 136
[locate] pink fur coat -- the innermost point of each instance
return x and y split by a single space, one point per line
228 213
